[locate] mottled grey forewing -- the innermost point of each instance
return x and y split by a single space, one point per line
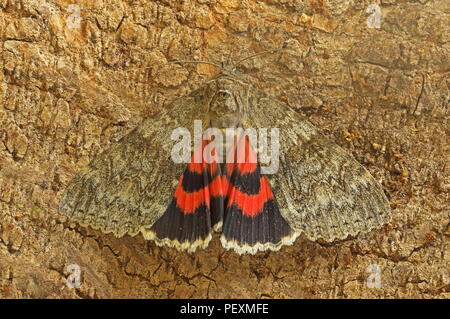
130 185
321 189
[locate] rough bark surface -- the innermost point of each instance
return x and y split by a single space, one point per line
69 89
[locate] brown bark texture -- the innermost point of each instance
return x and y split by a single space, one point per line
76 76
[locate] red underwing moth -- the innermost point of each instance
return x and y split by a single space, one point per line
135 186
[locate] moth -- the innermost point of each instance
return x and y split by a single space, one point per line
319 190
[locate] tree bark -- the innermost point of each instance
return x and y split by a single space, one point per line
374 78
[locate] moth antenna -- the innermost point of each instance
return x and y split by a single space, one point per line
230 56
258 54
204 62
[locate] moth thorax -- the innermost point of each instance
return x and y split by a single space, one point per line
224 110
223 103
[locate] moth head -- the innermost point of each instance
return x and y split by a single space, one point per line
226 104
225 109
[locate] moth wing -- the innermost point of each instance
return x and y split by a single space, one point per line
188 221
252 220
130 185
320 189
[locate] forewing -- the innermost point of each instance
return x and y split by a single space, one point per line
131 184
321 189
